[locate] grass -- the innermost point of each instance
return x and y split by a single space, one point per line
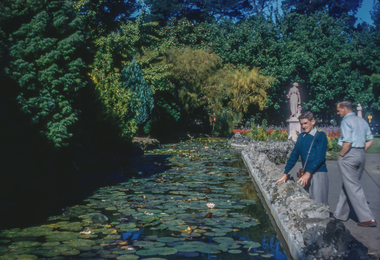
332 156
375 148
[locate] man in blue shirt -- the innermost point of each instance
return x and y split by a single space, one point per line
315 180
355 139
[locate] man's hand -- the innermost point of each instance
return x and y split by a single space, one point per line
283 178
304 180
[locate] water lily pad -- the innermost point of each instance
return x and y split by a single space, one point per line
29 257
152 237
209 249
127 257
88 236
71 252
148 244
157 251
85 248
50 244
168 239
113 237
80 242
215 234
47 252
223 239
251 244
234 251
22 244
58 236
87 255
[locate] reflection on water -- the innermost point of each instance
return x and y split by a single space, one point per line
167 215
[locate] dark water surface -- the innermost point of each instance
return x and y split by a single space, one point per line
200 204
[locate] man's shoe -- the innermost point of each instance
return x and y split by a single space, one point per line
332 216
371 223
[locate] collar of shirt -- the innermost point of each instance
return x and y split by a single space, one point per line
349 114
312 132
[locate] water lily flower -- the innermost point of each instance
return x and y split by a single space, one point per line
89 232
210 205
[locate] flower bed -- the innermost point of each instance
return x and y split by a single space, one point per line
281 134
263 134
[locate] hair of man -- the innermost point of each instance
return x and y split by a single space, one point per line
308 115
347 104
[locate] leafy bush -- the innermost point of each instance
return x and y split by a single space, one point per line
334 142
277 135
261 134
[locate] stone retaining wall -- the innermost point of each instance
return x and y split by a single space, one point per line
305 225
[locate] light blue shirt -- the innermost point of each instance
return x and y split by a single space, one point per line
354 130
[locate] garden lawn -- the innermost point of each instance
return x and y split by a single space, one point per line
375 148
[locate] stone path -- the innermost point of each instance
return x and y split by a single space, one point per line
370 237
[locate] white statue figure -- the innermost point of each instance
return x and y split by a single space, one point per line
359 108
295 100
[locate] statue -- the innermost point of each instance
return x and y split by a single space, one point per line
294 126
295 100
359 108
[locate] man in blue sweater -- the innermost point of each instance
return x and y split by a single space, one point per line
315 180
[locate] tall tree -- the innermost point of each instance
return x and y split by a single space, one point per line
45 46
338 9
313 50
101 17
143 95
335 8
198 10
375 53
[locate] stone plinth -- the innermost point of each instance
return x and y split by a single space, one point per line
293 128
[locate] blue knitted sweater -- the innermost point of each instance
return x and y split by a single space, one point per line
317 157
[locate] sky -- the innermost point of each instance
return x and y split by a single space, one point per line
363 14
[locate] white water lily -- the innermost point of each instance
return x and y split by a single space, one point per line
89 232
210 205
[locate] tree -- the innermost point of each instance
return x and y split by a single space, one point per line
133 78
313 50
198 11
191 68
335 8
45 47
248 87
112 53
374 50
101 17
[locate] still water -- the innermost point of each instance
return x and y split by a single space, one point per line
202 206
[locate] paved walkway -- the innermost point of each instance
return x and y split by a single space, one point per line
370 237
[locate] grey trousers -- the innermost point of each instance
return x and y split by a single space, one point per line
351 170
319 187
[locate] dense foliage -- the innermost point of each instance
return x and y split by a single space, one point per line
44 41
192 65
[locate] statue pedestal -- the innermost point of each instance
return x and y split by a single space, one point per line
293 128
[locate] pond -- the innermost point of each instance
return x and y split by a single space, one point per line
204 206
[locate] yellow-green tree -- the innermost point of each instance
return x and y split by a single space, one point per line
205 88
248 87
113 51
189 74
